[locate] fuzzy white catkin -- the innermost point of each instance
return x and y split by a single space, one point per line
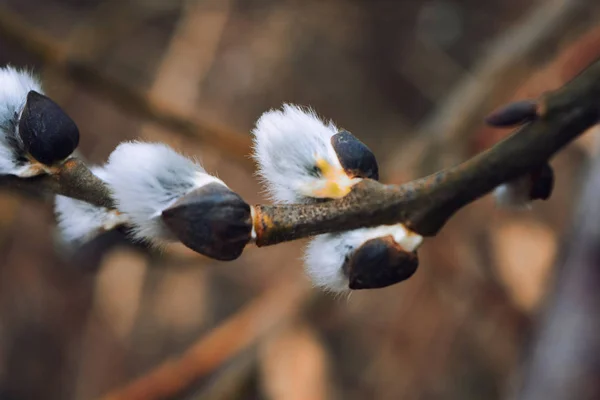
15 84
287 144
514 195
147 178
325 254
79 221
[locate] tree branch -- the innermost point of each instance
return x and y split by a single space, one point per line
71 179
423 205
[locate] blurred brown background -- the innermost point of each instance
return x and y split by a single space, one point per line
410 78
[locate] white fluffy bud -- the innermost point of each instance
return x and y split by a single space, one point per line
147 178
15 84
79 221
326 254
296 159
514 195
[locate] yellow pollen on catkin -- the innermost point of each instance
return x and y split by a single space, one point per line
337 183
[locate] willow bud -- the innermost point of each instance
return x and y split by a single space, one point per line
379 263
513 114
47 132
212 220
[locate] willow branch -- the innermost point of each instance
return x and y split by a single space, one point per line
424 205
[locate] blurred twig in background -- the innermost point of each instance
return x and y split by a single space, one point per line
232 144
211 351
510 59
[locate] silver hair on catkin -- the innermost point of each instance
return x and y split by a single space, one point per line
168 197
79 221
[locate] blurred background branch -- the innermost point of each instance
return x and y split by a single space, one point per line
444 137
232 144
230 338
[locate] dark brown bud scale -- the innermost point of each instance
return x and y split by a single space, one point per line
355 157
47 132
542 183
212 220
513 114
378 263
